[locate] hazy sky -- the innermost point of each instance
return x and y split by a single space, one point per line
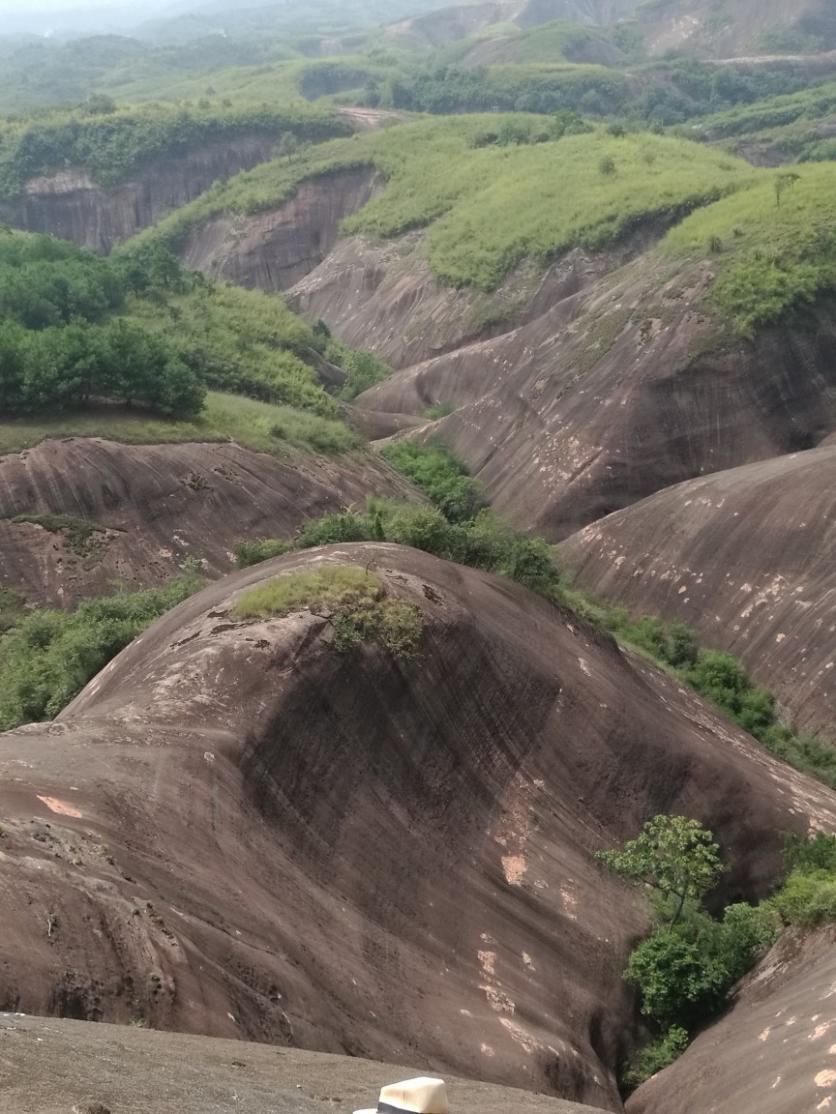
20 7
83 16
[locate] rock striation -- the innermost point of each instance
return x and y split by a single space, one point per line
152 507
744 557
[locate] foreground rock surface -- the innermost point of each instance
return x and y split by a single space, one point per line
50 1066
157 505
773 1053
744 556
236 830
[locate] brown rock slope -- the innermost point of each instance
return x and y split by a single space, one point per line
70 205
744 556
153 506
236 830
773 1053
49 1065
618 390
579 390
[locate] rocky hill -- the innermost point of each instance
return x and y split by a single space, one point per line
80 514
743 557
209 838
460 21
595 335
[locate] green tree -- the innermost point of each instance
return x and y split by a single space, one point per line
674 856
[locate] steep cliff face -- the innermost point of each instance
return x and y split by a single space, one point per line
743 556
272 250
153 506
211 838
70 205
772 1053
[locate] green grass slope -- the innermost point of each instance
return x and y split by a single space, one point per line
260 426
769 257
489 191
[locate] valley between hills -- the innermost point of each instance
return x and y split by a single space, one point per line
417 606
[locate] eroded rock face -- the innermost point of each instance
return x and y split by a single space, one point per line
157 505
685 25
617 391
577 391
272 250
70 205
383 296
237 830
744 556
773 1052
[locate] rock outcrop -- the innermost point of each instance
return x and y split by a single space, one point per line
744 556
70 205
774 1052
238 830
154 506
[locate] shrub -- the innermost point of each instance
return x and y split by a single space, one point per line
485 542
363 369
439 410
607 166
808 898
677 983
684 972
658 1055
51 655
439 475
818 853
252 552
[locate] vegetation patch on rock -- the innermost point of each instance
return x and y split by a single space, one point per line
83 537
352 599
685 969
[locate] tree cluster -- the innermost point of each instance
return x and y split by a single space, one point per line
59 345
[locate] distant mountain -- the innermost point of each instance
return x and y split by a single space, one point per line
741 27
